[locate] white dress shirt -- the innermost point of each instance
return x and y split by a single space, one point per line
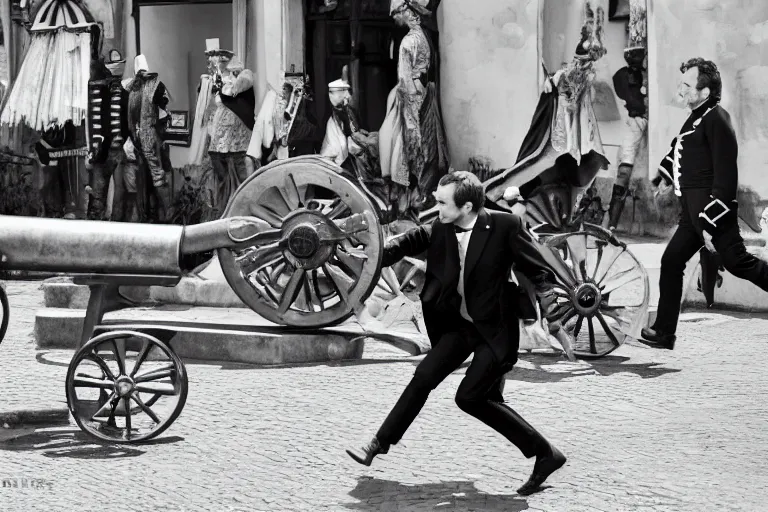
463 239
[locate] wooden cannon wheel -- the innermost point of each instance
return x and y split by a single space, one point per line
602 290
126 387
324 256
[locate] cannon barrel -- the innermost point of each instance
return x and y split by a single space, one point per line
57 245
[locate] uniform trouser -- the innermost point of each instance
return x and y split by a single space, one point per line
629 147
686 241
478 393
101 173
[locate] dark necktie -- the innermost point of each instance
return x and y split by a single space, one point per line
459 229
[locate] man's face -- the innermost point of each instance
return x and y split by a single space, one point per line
686 89
449 213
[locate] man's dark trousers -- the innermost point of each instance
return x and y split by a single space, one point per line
478 393
684 244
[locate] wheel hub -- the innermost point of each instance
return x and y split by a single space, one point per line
586 299
124 386
303 246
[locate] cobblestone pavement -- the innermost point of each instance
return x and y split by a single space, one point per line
644 430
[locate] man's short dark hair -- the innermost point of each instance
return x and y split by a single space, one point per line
468 189
709 76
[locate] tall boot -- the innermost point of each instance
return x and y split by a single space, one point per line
616 206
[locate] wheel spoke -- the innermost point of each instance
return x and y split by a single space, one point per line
577 329
149 412
600 245
316 290
160 388
267 215
94 358
615 257
253 260
608 329
341 281
157 373
339 208
118 347
291 290
592 345
559 267
577 247
141 357
127 402
290 192
620 279
355 261
87 381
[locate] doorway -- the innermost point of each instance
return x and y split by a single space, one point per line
359 34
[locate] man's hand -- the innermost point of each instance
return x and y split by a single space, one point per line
708 242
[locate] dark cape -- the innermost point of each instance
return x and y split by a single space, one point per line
243 105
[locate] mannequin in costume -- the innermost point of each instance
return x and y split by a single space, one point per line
108 124
147 97
404 144
231 126
563 143
630 84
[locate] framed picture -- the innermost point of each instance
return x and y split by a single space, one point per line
618 10
178 132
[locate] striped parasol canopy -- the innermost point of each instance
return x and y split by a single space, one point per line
66 14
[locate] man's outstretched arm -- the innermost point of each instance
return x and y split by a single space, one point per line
411 243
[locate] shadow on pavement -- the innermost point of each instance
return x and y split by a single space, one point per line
387 495
74 444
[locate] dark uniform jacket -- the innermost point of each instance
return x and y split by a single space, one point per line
498 242
703 156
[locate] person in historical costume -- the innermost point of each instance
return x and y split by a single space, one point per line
629 84
148 98
563 143
701 165
411 156
468 310
231 125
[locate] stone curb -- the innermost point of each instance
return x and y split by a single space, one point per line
23 417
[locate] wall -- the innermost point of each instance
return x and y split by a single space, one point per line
490 79
733 33
173 40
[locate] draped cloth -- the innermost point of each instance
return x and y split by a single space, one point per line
52 84
199 141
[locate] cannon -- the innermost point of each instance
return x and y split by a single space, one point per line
298 243
302 246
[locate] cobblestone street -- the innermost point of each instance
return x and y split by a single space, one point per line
644 430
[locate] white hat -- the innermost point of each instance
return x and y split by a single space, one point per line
419 6
338 85
140 63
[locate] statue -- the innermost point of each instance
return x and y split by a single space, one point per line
147 98
231 124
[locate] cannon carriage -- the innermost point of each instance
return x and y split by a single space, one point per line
300 245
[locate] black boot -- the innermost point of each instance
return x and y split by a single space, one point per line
366 454
616 206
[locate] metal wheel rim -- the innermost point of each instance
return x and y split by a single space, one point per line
276 193
577 314
115 406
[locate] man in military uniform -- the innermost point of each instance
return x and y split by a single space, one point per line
701 164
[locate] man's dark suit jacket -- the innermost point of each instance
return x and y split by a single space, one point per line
498 242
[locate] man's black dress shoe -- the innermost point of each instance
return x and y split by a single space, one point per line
658 339
366 454
545 465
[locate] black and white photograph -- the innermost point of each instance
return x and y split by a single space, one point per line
383 255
